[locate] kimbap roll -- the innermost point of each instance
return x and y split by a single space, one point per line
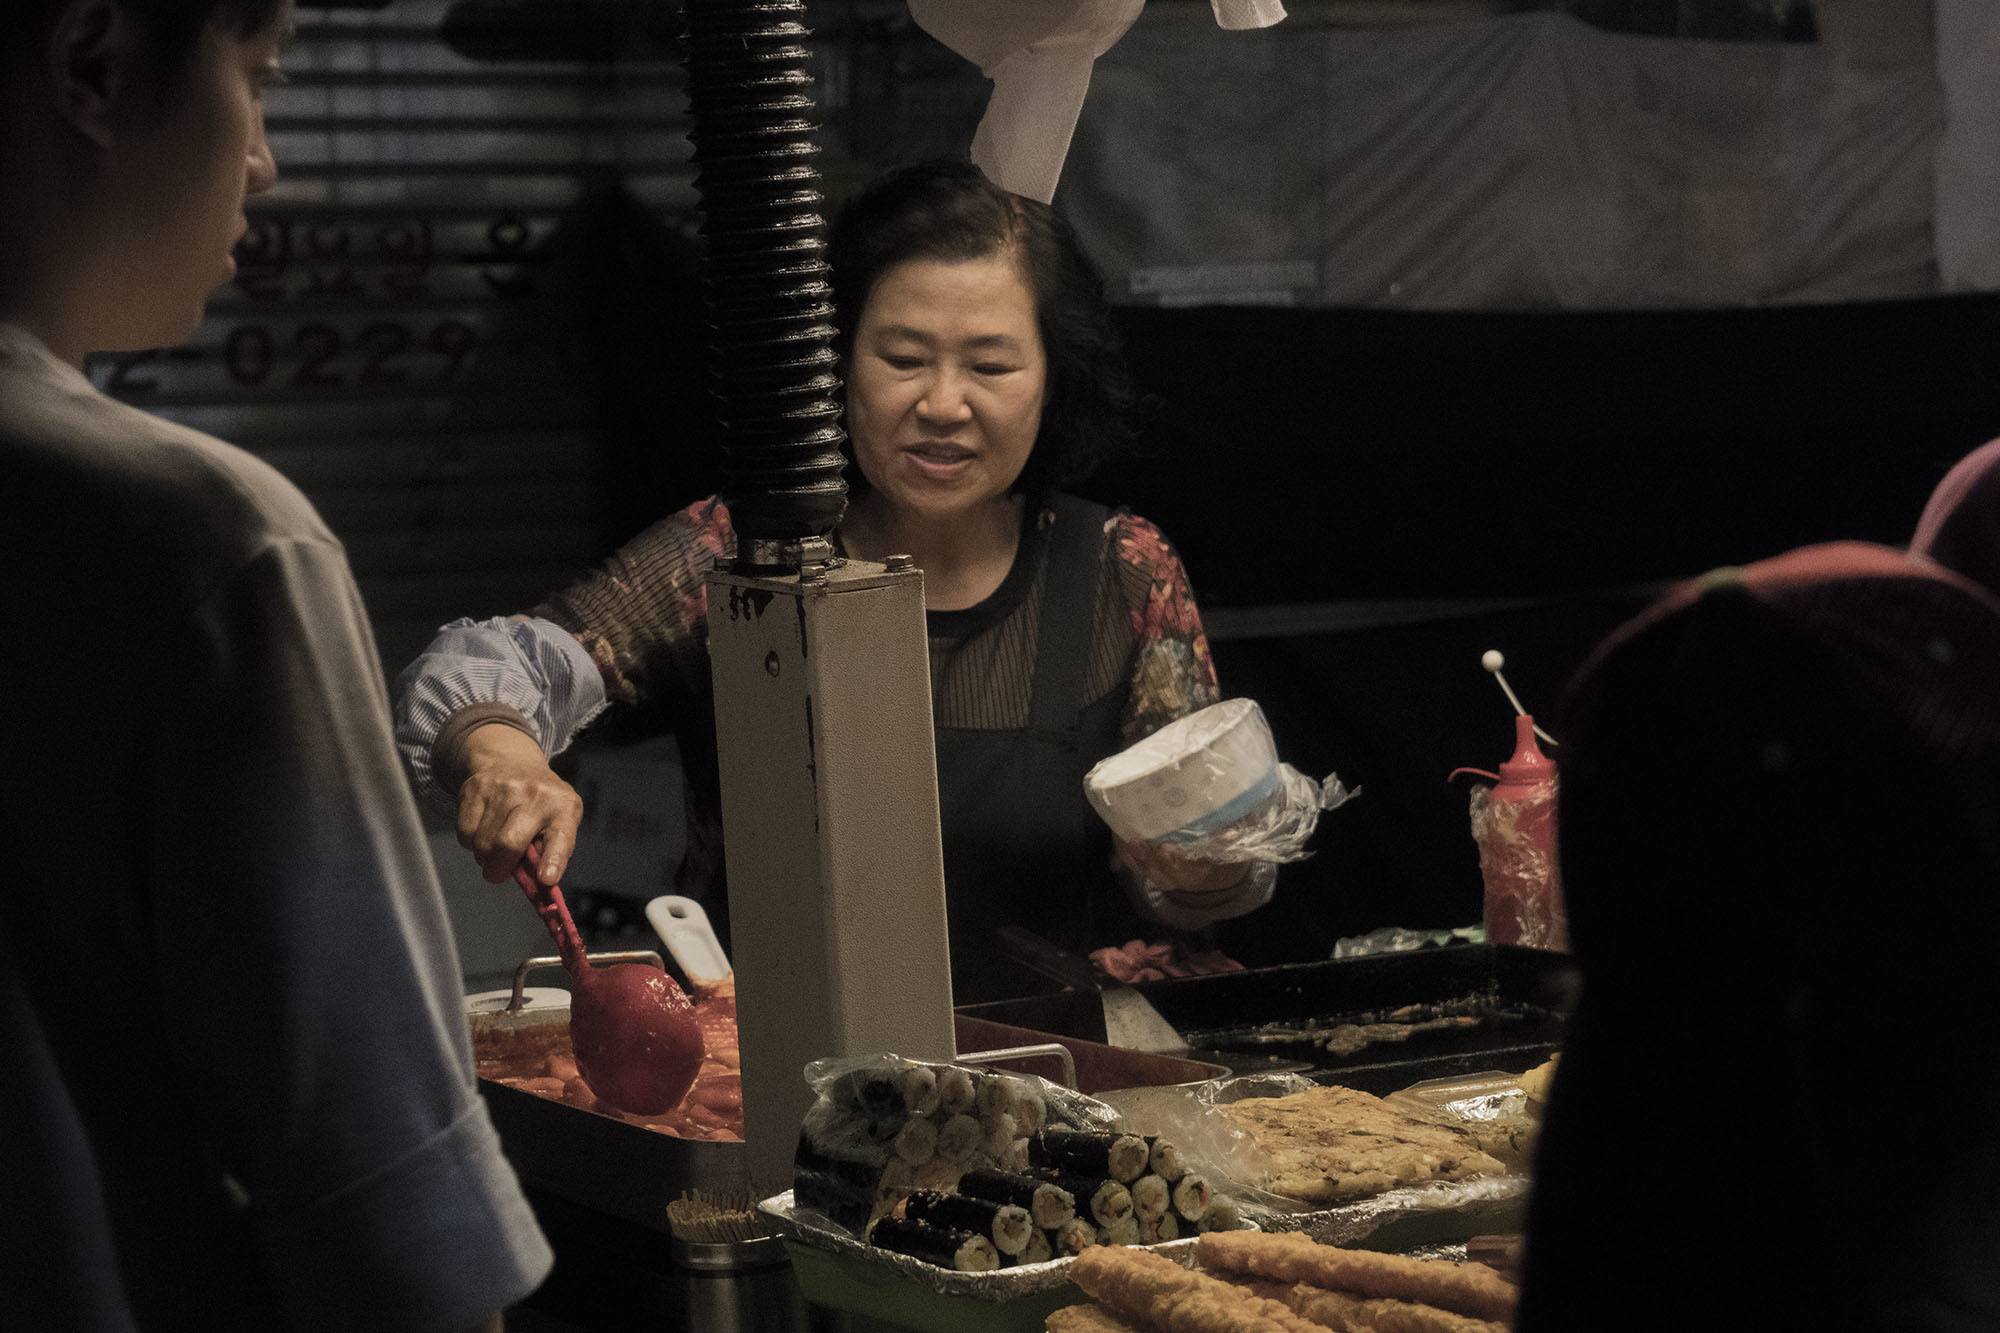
1164 1227
947 1247
997 1135
1151 1196
920 1090
1165 1160
870 1091
955 1091
864 1103
916 1142
1191 1197
838 1199
1005 1224
1073 1237
898 1179
1048 1204
1031 1112
1039 1250
959 1139
860 1169
1122 1157
1222 1215
996 1097
1125 1231
1103 1201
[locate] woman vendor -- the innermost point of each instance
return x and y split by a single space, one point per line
983 375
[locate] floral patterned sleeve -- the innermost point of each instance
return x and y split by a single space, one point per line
643 615
1172 676
1172 672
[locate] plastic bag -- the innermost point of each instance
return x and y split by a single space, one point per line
1212 1144
1402 939
1517 861
1210 786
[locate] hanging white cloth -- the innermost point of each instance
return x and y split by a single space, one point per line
1039 54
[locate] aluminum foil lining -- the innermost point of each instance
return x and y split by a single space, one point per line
1348 1223
1005 1284
1454 1254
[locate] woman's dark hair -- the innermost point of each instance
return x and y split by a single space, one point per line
173 25
946 210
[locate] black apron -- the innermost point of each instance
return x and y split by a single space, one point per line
1021 844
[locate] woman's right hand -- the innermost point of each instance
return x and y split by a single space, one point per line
513 798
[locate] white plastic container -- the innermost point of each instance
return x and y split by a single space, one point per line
1192 778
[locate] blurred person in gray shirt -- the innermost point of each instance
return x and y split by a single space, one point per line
239 1090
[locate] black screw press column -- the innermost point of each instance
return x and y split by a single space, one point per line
770 300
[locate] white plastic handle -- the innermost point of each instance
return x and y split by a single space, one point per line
683 927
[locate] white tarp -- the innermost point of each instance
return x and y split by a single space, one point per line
1525 161
1968 193
1039 53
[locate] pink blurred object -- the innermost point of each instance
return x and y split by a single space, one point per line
1514 823
1136 960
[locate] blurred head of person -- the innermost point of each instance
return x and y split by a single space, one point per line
980 354
135 136
1780 837
1960 527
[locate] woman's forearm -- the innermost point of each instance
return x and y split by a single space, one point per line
529 674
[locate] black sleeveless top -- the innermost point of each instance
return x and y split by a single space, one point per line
1022 846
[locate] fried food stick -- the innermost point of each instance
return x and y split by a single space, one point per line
1467 1289
1357 1314
1087 1319
1158 1294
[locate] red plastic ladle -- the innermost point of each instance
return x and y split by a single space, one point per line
636 1040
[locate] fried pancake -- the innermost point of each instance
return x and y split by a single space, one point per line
1331 1144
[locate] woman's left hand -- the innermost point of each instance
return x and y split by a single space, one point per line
1171 872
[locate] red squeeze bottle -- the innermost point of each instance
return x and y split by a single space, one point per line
1514 823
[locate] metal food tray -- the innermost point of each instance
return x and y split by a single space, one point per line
838 1272
589 1158
1414 1217
1229 1016
841 1273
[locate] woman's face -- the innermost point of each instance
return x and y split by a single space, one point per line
188 154
946 383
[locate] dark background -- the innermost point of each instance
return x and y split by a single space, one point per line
1524 481
1570 460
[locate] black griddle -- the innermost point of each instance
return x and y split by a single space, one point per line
1466 1008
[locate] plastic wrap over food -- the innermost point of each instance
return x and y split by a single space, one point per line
1210 786
1235 1165
1517 861
883 1126
1227 1156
